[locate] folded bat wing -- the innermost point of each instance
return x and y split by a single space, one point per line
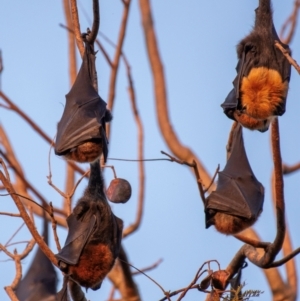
39 282
258 54
83 114
78 235
238 191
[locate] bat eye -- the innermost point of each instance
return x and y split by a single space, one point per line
250 48
96 287
211 212
244 108
81 208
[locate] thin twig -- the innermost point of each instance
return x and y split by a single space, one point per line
292 21
140 271
252 242
96 22
213 179
35 127
285 259
17 258
26 198
140 138
122 278
267 258
54 224
288 57
118 52
193 284
15 233
26 218
149 268
288 169
166 128
104 52
76 27
112 168
10 214
70 172
194 165
102 49
21 176
136 160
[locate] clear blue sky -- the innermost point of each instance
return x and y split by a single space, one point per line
197 42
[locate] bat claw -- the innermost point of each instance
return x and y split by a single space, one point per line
63 266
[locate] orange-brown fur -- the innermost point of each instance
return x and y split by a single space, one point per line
252 123
229 224
86 152
262 91
93 265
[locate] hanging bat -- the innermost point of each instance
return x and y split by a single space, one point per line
238 200
263 75
81 132
40 281
94 237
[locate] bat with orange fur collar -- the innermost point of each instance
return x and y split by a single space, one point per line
94 236
263 75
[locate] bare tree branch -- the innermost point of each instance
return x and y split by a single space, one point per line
133 227
179 150
292 22
70 174
96 22
17 258
122 279
288 57
35 127
114 71
26 218
265 259
287 169
76 27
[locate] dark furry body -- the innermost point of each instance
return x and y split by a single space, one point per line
238 200
81 133
261 85
230 224
88 261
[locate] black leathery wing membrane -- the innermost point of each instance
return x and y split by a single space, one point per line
39 283
238 199
85 112
94 237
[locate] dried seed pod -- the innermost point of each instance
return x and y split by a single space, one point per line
119 191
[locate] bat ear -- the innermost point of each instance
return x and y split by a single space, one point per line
96 287
209 218
108 116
